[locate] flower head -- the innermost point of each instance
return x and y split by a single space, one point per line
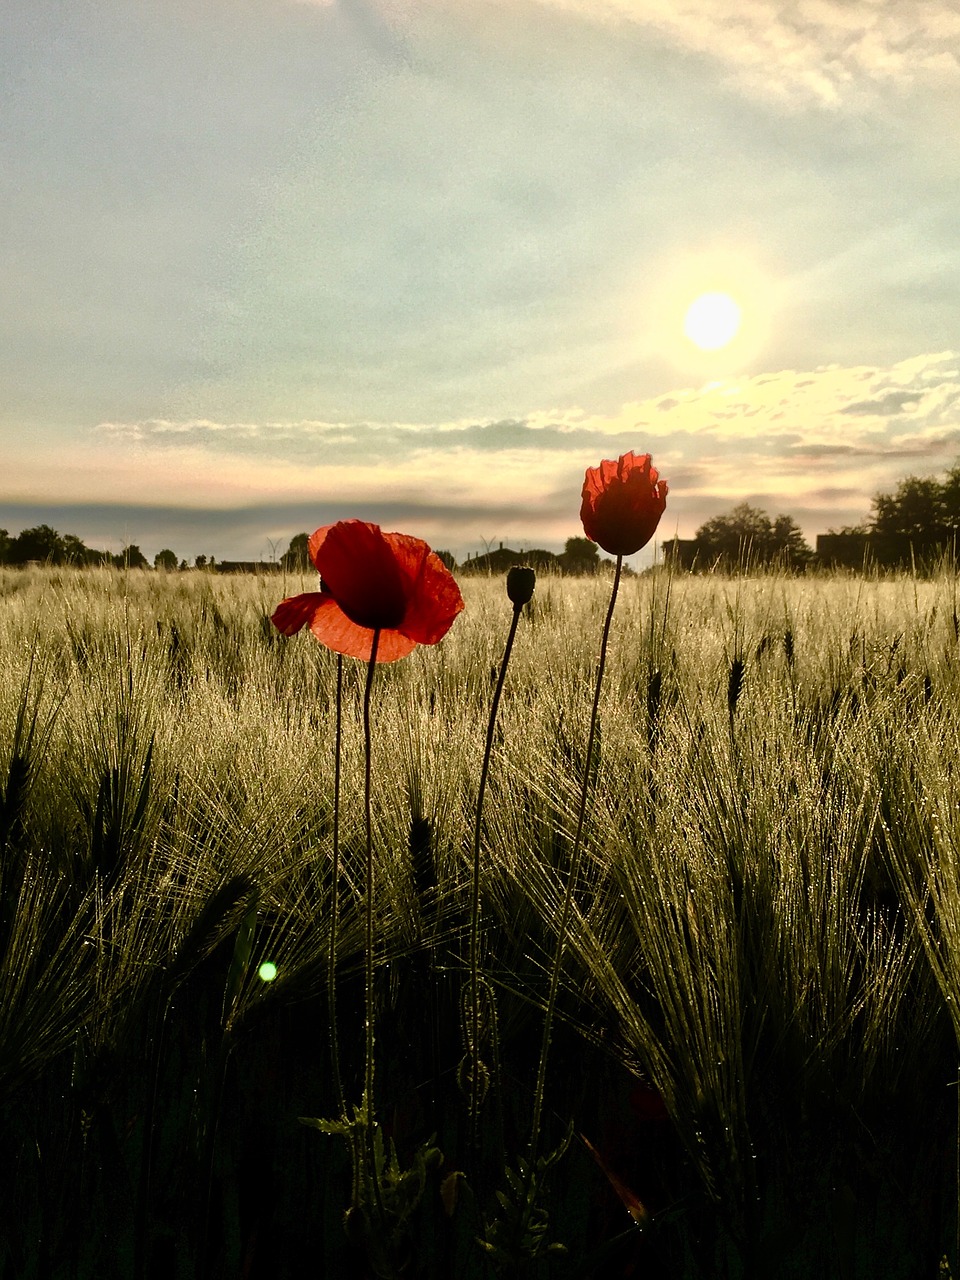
622 503
370 581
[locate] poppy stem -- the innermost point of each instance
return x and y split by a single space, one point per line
368 1108
335 898
473 1048
563 925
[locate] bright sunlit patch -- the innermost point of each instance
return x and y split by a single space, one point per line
709 313
267 971
712 320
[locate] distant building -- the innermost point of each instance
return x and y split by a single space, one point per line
504 558
855 549
843 550
682 553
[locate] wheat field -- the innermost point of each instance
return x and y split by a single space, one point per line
756 1034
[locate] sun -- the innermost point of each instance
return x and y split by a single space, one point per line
712 321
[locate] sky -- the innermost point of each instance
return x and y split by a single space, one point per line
266 264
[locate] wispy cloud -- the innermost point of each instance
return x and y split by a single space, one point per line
791 409
815 443
829 50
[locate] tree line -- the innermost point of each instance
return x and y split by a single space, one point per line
924 512
919 520
44 545
915 524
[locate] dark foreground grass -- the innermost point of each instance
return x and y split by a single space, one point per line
756 1034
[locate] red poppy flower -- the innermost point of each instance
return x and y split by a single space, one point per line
622 503
372 580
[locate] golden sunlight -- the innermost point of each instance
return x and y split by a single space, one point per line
712 320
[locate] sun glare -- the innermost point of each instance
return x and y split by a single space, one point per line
708 313
712 321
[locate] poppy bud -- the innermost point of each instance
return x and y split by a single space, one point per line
520 584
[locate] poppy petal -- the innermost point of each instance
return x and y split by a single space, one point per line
358 568
598 479
315 542
332 627
296 612
628 1198
433 597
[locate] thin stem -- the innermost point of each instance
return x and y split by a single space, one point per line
335 898
368 948
473 1047
571 882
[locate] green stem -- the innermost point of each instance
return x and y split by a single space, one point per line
473 1047
557 965
335 899
368 947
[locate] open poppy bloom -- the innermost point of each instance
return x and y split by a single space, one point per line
371 580
622 503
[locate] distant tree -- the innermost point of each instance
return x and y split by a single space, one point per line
580 555
296 557
950 500
916 513
40 543
201 562
850 530
747 533
447 558
131 558
166 560
540 559
788 543
74 551
5 544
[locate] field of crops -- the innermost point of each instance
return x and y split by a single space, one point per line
753 1050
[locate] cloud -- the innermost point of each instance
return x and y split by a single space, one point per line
817 444
788 409
797 409
319 443
892 402
767 430
827 50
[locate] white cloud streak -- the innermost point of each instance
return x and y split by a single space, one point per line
828 50
818 444
870 407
